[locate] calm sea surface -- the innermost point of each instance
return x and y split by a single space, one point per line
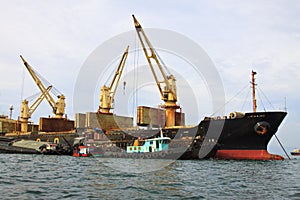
63 177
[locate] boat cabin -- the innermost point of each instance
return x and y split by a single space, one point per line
80 149
150 145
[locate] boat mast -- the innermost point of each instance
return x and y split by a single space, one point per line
253 91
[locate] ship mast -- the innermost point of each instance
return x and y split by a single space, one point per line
253 91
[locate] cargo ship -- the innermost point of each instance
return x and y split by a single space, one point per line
237 136
244 136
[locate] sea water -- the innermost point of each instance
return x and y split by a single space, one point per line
66 177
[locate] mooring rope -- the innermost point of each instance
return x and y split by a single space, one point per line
282 146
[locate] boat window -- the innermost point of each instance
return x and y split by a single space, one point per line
157 143
167 141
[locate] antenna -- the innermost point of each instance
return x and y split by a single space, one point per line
285 108
11 108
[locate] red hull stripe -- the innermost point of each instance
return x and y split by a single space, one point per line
247 155
80 155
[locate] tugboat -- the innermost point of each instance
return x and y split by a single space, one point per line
150 145
150 148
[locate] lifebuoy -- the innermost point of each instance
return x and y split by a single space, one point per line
169 152
141 155
148 155
155 155
134 155
56 140
162 154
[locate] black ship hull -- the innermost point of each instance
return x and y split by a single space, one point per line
245 137
248 137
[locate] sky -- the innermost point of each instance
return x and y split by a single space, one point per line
57 38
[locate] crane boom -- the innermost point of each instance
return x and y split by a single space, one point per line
107 93
114 84
37 102
58 108
168 92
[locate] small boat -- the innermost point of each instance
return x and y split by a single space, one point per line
295 152
80 149
149 145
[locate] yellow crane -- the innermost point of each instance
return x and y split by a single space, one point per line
167 87
108 92
26 111
58 107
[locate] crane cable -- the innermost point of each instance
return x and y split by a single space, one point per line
33 97
261 101
23 83
266 98
46 83
135 74
162 62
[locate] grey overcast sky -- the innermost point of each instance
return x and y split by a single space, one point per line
56 37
